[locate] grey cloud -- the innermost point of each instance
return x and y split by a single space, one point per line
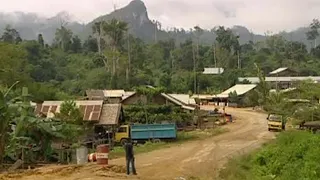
258 15
227 12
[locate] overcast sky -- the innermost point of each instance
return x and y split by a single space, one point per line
257 15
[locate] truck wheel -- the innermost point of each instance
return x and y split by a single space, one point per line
269 129
156 140
123 141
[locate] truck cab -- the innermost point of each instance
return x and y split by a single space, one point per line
123 134
275 122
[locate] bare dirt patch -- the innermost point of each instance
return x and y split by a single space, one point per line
202 158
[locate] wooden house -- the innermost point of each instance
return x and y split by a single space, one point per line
108 96
93 111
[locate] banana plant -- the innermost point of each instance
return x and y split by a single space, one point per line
7 113
21 132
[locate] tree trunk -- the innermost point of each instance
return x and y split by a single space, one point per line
99 44
105 62
2 148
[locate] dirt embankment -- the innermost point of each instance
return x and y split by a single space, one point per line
201 158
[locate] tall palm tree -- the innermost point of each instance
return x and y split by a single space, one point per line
63 37
115 30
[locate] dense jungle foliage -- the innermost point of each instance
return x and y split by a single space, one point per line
113 59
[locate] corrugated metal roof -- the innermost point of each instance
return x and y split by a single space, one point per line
91 109
188 108
213 71
114 93
110 114
202 96
239 88
128 94
278 70
102 94
177 102
171 99
184 98
95 94
280 79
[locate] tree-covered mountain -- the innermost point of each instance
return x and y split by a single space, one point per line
136 15
29 25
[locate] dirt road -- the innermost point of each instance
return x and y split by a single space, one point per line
200 158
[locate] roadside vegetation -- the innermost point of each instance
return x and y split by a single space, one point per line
293 155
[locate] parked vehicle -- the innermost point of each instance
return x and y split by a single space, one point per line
314 126
145 132
275 122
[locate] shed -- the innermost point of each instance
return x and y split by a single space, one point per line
240 89
109 96
95 94
93 111
114 93
223 99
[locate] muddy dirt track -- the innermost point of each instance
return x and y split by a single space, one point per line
201 158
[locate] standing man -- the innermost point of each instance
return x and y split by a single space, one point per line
130 157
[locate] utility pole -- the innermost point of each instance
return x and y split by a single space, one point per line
129 57
214 55
194 70
239 61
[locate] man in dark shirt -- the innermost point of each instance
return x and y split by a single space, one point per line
130 157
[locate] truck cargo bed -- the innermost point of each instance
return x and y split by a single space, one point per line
153 131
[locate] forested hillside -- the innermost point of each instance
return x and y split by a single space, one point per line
112 58
139 25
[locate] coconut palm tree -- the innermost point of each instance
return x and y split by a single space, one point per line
63 37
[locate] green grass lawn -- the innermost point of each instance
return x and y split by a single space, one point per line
182 137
